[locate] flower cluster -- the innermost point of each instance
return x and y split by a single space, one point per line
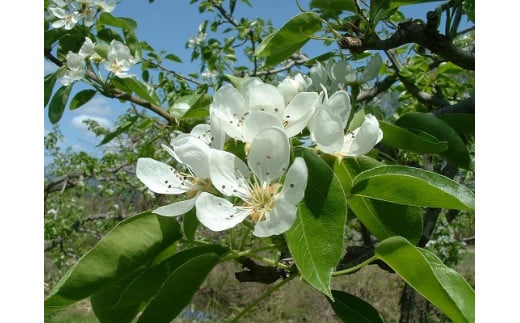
118 60
266 188
67 13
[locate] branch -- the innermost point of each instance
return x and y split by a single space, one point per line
117 93
379 87
415 31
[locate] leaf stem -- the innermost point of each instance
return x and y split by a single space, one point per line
262 297
355 268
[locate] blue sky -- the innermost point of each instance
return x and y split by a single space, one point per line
167 25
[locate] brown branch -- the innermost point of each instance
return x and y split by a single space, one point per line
415 31
379 87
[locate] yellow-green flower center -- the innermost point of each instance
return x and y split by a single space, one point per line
261 201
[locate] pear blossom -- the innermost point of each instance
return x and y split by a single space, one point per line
76 68
190 150
66 19
270 204
242 113
290 86
119 60
361 140
327 125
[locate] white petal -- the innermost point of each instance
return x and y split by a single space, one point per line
259 120
193 152
266 97
230 107
295 182
160 178
327 130
280 220
229 174
269 154
362 139
203 132
339 103
299 111
218 135
218 214
176 209
372 68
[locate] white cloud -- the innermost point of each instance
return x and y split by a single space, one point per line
98 106
77 122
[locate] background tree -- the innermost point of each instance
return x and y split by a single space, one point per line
415 76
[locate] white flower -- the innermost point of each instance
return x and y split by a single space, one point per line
361 140
197 40
255 106
76 68
269 203
209 75
119 60
291 86
65 19
327 125
193 152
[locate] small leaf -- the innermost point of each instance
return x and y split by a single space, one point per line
130 244
122 22
81 98
58 103
382 219
422 270
412 186
173 58
332 8
179 288
401 3
316 238
456 153
122 128
48 84
141 89
289 38
397 137
350 308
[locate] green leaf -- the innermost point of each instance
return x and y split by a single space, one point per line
179 288
195 105
122 22
456 153
173 58
289 38
332 8
412 186
420 142
81 98
122 128
316 238
58 103
350 308
190 223
141 89
48 84
422 270
462 123
129 245
401 3
382 219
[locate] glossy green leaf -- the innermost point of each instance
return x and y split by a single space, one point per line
148 283
195 105
420 142
422 270
352 309
383 219
412 186
462 123
141 89
331 8
173 58
289 38
456 153
122 22
179 288
48 84
129 245
58 103
316 238
190 223
122 128
81 98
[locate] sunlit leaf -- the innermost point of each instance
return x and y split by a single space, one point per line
422 270
122 22
316 238
81 98
420 142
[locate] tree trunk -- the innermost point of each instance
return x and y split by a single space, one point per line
414 307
